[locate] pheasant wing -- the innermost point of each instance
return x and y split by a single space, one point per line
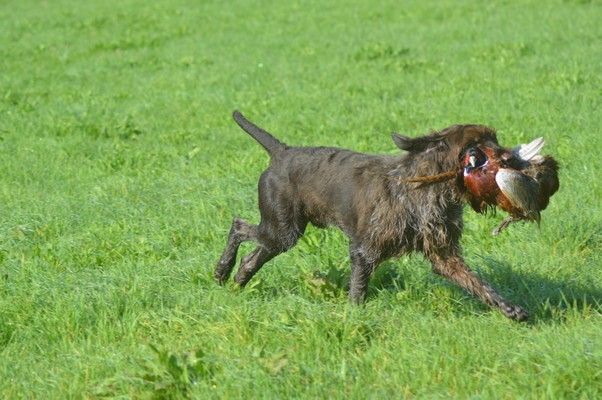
521 190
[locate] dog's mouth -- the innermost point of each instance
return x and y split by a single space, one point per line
473 158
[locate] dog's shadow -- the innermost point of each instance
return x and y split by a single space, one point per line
388 277
547 300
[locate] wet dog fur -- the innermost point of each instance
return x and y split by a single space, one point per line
372 200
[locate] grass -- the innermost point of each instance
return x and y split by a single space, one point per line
121 169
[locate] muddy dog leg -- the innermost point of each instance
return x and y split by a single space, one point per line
282 223
240 231
455 269
252 262
277 233
361 270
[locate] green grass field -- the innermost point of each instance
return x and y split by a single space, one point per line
121 170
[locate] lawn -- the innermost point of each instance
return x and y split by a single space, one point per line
121 170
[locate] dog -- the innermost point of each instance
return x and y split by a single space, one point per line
373 199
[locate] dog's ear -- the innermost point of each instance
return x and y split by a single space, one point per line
417 144
403 142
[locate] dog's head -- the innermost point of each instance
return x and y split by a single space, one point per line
462 154
452 143
442 155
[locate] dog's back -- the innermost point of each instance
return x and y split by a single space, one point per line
321 185
327 185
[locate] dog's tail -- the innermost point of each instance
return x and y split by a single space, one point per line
269 142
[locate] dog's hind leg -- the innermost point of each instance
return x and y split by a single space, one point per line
273 237
252 262
240 231
282 223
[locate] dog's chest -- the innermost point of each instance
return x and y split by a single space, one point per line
415 226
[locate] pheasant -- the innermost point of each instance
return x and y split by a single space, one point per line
519 181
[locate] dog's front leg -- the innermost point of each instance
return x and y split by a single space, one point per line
455 269
361 269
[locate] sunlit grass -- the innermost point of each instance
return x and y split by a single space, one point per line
121 170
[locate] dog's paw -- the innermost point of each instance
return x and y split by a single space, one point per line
515 313
222 273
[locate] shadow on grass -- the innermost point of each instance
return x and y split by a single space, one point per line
546 299
388 276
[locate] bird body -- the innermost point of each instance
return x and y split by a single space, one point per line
518 194
519 181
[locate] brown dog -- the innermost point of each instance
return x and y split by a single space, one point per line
370 199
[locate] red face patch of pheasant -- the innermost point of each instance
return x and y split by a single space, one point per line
479 178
